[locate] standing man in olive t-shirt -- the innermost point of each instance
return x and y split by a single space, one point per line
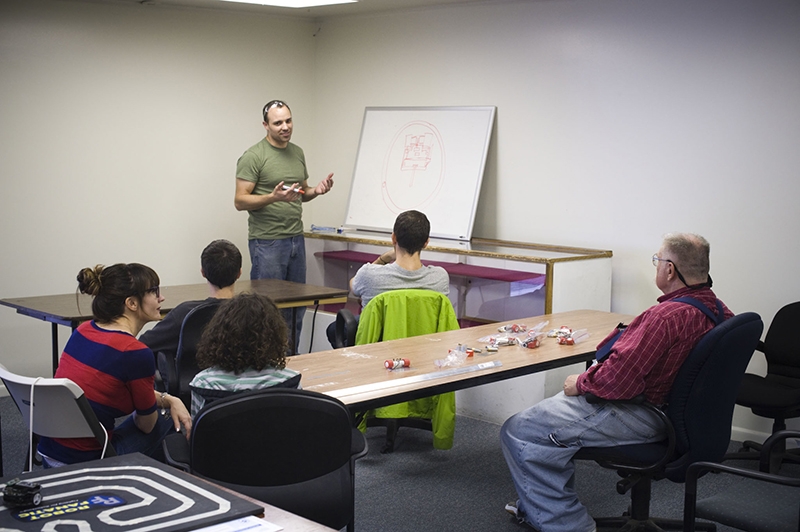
271 184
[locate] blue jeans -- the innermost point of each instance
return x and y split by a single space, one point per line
128 438
539 443
284 259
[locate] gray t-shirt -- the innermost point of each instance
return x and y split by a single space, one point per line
373 279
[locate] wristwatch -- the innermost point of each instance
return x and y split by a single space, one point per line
163 400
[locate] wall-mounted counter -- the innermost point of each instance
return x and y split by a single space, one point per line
493 280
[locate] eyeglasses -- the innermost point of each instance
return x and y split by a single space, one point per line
656 260
708 283
270 105
156 290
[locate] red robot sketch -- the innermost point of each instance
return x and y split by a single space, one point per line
414 167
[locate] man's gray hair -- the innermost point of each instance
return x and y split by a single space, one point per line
690 254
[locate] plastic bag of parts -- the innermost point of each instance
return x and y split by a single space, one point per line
532 341
574 337
512 332
455 357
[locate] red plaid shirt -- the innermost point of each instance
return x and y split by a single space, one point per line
647 356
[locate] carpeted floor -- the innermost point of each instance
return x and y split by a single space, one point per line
419 489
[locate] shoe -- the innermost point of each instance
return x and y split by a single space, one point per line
512 508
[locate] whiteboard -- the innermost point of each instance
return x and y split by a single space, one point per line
429 159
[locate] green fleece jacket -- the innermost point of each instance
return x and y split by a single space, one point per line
401 314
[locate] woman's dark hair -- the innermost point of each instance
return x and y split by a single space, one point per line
247 332
112 285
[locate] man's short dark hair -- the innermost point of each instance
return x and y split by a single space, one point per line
412 229
270 105
221 261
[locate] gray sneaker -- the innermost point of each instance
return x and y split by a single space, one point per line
512 508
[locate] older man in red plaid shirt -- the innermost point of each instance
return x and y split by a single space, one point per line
539 443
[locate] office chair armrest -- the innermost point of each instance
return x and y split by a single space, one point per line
698 469
346 326
168 371
177 452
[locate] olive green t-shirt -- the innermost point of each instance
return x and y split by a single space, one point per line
266 166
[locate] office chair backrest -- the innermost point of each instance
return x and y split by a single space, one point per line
290 448
780 346
60 409
703 396
403 314
271 437
186 358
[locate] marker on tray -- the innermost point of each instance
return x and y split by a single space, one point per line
298 190
324 229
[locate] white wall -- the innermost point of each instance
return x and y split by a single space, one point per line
120 127
618 121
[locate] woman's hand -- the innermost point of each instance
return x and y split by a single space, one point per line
180 416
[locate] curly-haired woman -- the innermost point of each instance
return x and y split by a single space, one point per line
242 348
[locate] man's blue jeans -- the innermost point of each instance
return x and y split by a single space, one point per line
284 259
539 443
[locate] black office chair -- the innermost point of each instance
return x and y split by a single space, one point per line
776 395
761 502
698 420
294 449
346 327
177 373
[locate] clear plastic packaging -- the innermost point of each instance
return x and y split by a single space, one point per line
513 328
574 337
561 332
532 341
455 357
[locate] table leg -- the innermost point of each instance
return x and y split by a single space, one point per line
55 347
294 330
1 453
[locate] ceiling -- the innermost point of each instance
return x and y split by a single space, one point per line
362 7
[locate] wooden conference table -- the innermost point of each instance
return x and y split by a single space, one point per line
357 376
72 309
